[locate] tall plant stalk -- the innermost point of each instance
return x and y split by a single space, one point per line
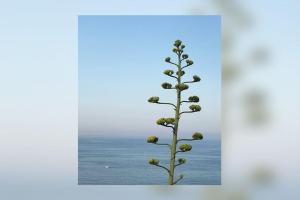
173 123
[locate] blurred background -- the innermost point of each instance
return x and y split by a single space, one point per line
260 99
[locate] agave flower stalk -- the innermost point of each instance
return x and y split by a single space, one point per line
173 122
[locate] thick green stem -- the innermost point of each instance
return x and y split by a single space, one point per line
175 130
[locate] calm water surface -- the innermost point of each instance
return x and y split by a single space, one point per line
107 161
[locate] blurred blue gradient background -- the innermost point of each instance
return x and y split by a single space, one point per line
260 99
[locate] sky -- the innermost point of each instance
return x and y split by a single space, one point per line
121 60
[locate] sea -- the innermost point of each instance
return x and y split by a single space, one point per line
124 161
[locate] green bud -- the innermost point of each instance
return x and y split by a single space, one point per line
153 162
165 121
152 139
185 147
181 74
166 85
161 121
170 120
153 99
175 50
195 108
168 59
194 99
177 43
169 72
189 62
185 56
181 86
181 161
182 46
197 136
196 78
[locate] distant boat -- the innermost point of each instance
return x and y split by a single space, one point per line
106 166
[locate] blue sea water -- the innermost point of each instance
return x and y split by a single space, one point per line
124 161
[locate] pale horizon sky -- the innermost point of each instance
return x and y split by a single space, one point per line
121 60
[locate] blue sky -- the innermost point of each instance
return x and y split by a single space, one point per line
121 60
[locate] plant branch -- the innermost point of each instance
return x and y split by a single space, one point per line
178 152
181 177
168 126
173 63
189 82
163 167
186 102
173 76
187 112
179 164
185 140
162 144
166 104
